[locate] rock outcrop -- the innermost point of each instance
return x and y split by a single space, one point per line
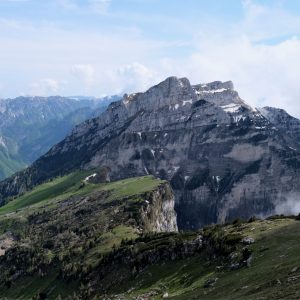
223 158
287 124
158 213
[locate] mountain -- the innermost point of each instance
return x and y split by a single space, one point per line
223 158
76 238
30 126
283 121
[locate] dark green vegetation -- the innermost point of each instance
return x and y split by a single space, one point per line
71 239
273 270
64 228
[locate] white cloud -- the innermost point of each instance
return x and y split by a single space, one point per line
289 207
266 21
135 77
93 6
259 55
263 74
15 0
99 6
68 4
85 73
44 87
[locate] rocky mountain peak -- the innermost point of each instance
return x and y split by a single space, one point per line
274 113
215 86
221 94
283 121
169 92
222 158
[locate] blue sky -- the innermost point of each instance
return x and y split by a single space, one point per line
100 47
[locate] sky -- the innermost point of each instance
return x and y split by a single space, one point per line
105 47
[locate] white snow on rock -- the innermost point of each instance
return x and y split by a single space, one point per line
212 91
187 101
231 108
90 177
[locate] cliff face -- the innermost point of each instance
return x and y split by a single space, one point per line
78 228
223 158
159 214
284 122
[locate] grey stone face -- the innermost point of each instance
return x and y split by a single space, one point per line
223 158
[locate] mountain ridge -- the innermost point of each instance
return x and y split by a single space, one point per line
29 126
223 158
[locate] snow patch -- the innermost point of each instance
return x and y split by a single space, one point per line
211 91
258 127
238 118
184 102
231 108
90 177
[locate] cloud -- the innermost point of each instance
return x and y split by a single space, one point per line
93 6
259 21
99 6
125 51
44 87
16 0
85 73
263 74
135 77
291 206
68 4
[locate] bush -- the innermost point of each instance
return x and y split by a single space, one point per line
233 238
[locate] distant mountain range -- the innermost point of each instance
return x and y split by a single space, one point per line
30 126
223 158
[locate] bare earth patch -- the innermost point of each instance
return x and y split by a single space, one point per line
6 242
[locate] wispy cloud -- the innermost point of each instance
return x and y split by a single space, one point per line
44 87
93 6
131 48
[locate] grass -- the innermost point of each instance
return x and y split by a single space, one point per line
109 240
31 286
59 188
276 252
63 187
106 226
132 186
175 278
115 236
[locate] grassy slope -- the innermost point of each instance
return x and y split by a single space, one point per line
9 165
58 202
63 187
276 253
